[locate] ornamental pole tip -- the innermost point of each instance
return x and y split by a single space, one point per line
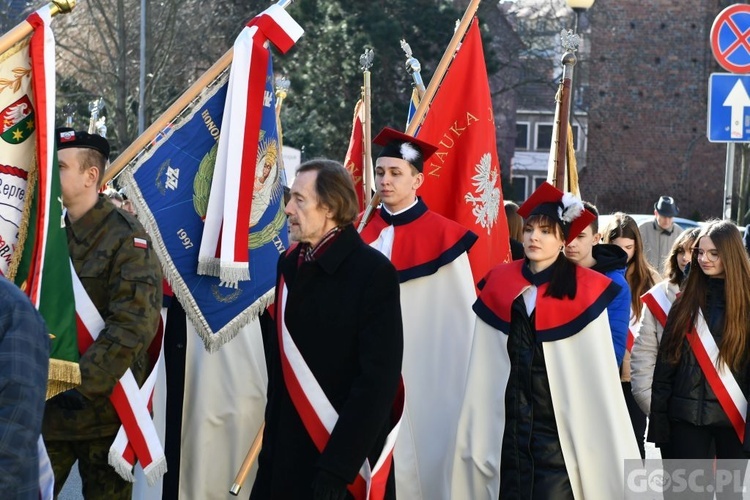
570 41
365 60
282 87
62 6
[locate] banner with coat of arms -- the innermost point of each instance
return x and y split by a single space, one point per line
170 183
33 243
16 150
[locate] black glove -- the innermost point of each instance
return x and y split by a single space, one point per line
70 400
326 486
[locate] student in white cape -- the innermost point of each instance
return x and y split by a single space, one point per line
543 415
430 253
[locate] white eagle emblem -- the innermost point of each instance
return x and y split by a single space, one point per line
486 197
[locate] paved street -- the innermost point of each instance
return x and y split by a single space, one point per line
72 489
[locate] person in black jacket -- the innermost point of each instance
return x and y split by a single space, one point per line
334 352
711 311
543 416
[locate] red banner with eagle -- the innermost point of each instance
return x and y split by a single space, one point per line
462 179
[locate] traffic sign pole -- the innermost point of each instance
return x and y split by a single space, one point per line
729 181
730 44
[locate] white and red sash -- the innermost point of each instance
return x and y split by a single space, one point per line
720 379
137 438
658 302
634 325
319 416
223 250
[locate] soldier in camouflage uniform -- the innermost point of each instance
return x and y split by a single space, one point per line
117 266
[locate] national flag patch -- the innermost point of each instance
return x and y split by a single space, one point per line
67 136
140 243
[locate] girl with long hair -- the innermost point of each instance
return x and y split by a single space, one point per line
657 302
704 352
542 416
622 230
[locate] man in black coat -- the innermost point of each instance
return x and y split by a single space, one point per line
337 319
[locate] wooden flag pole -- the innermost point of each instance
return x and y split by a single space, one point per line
559 147
369 183
173 111
250 458
24 29
432 88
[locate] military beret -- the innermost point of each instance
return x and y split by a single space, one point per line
399 145
68 138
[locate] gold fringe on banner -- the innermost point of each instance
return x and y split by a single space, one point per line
23 228
573 186
63 375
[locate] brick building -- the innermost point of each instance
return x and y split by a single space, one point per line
648 71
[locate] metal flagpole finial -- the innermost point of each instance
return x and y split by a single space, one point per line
365 60
101 126
282 86
406 48
69 110
413 67
95 108
570 41
412 63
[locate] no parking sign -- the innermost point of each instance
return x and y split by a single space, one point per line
730 38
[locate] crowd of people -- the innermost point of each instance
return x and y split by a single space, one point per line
389 374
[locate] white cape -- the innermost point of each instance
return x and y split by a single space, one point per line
224 404
590 413
438 327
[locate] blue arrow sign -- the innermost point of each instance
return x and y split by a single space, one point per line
728 108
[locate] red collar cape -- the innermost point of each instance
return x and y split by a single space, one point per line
424 241
554 319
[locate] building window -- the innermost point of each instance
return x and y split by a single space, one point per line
522 136
519 188
543 136
538 181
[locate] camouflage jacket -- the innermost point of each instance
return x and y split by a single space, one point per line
122 276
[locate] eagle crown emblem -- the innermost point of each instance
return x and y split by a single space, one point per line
486 197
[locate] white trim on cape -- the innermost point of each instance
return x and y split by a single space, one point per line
437 346
593 443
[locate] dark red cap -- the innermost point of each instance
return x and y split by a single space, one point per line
399 145
563 208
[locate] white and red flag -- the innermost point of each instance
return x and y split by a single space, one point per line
224 246
354 160
462 179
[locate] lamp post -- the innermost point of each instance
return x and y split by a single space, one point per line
579 7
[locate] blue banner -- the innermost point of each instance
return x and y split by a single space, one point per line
170 183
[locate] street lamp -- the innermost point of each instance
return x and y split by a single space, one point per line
579 7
